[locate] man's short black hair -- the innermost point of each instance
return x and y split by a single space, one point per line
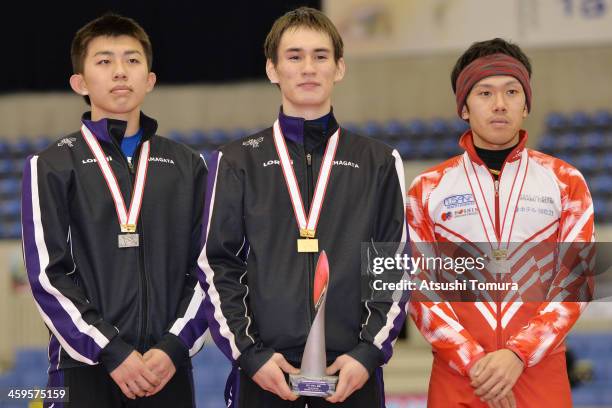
483 48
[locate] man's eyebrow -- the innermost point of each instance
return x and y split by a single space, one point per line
297 49
509 82
107 52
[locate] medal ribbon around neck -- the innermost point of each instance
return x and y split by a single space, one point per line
127 220
307 226
470 170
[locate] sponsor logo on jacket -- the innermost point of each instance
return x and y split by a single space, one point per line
463 212
67 141
161 160
254 143
534 198
459 200
346 163
273 163
527 209
92 160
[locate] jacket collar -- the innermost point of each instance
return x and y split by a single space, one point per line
467 143
108 129
295 128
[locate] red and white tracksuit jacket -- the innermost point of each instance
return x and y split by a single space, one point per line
538 198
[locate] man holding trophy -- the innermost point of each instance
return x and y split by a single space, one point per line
275 201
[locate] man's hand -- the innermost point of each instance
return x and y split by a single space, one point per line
506 402
271 378
495 374
353 375
161 365
134 377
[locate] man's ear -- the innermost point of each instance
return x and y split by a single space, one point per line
525 111
78 84
271 71
340 70
151 80
465 113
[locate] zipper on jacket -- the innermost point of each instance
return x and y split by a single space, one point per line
497 230
310 260
143 327
498 330
144 317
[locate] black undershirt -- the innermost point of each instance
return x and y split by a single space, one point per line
494 159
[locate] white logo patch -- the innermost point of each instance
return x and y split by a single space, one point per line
161 160
273 163
67 141
345 163
254 143
92 160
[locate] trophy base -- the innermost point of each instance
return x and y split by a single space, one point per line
313 386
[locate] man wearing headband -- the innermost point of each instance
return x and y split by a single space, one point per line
495 196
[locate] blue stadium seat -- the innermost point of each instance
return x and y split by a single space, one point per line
586 396
603 120
10 208
22 147
607 218
428 149
34 377
6 167
450 147
556 122
9 186
406 149
606 162
5 149
600 208
548 143
31 358
416 129
18 166
218 137
580 120
567 142
372 129
601 185
196 138
594 141
458 126
10 379
14 230
394 130
587 163
439 127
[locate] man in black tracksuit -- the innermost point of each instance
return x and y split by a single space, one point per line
258 280
115 282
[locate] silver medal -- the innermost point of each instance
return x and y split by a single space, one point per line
128 240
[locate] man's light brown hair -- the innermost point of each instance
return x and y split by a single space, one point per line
305 17
108 25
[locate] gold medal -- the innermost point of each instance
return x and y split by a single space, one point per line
307 245
500 254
